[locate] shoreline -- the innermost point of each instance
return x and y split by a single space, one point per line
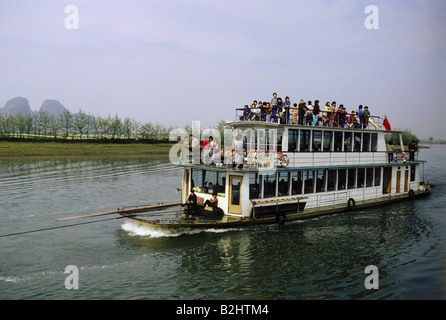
52 148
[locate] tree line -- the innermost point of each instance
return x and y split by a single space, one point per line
79 126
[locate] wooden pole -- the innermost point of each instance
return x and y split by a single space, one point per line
123 211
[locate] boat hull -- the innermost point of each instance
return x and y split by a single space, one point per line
236 222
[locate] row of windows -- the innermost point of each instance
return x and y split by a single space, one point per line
285 183
329 141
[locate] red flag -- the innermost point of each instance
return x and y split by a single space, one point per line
386 124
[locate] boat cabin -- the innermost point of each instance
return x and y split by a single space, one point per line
299 168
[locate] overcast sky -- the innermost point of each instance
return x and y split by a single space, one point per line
176 61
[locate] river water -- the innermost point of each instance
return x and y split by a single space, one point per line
322 258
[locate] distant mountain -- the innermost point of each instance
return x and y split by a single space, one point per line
53 107
21 105
15 106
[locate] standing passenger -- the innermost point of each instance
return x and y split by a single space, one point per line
332 114
294 114
287 109
360 115
316 111
366 117
412 148
301 112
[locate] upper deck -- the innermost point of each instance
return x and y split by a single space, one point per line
305 146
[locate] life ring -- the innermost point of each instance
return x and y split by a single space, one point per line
283 159
351 204
411 194
403 157
280 220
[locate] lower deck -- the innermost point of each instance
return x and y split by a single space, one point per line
249 193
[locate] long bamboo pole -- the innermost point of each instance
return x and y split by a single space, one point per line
123 211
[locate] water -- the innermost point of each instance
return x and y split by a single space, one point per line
321 258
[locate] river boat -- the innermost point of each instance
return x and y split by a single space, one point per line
287 172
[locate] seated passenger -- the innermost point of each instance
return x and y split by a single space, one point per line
213 202
246 112
191 203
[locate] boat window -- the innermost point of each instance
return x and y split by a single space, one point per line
320 180
196 179
207 181
357 142
269 185
305 140
377 177
374 142
284 183
351 178
309 181
361 177
296 182
331 184
338 141
347 141
328 137
254 186
279 140
369 177
412 172
293 138
342 179
365 141
317 140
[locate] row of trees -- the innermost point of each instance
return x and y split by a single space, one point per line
68 125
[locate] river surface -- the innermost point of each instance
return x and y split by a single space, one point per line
322 258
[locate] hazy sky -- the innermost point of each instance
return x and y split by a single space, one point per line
176 61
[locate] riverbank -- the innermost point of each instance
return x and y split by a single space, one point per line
21 148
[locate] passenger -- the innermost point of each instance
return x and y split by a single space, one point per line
390 151
413 147
332 114
325 114
206 143
269 112
352 120
191 203
281 111
309 114
316 111
238 152
246 113
294 114
338 115
274 100
213 202
255 112
193 143
343 116
366 117
262 111
287 109
360 115
301 112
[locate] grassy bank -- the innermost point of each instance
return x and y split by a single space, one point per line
22 148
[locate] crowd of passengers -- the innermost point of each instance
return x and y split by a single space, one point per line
305 113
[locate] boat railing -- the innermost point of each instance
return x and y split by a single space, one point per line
339 120
264 158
